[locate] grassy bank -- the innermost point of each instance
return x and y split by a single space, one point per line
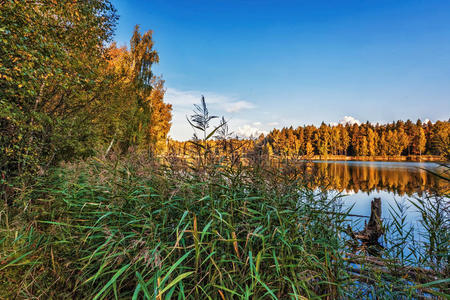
132 229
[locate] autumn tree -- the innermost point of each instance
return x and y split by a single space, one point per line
382 145
421 141
300 139
64 93
335 140
51 54
160 119
354 135
372 141
403 140
134 113
440 139
309 149
268 150
323 141
345 140
392 141
363 146
141 57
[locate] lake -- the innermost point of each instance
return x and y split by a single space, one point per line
361 181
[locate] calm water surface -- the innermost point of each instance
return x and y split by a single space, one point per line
359 182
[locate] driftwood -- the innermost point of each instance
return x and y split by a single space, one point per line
363 267
393 267
372 230
420 291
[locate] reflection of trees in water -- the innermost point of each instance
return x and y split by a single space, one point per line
366 178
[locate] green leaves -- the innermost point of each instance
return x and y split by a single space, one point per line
111 281
49 52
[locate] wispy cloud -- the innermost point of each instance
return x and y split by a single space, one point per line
188 98
238 106
182 106
181 98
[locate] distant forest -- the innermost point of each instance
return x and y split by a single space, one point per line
394 139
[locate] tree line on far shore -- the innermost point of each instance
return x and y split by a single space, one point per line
387 140
393 139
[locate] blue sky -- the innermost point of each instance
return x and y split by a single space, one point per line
265 64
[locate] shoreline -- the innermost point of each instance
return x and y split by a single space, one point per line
410 158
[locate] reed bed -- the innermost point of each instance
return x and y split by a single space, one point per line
130 229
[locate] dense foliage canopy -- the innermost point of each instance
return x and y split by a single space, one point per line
65 93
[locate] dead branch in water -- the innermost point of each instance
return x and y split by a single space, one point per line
373 229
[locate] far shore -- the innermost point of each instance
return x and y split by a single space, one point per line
410 158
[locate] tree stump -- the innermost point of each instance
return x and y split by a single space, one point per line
373 229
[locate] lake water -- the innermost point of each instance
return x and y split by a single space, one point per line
359 182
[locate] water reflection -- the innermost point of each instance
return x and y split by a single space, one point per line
398 185
399 178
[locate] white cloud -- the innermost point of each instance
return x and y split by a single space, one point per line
237 106
273 123
189 98
249 131
181 98
182 106
349 120
256 123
